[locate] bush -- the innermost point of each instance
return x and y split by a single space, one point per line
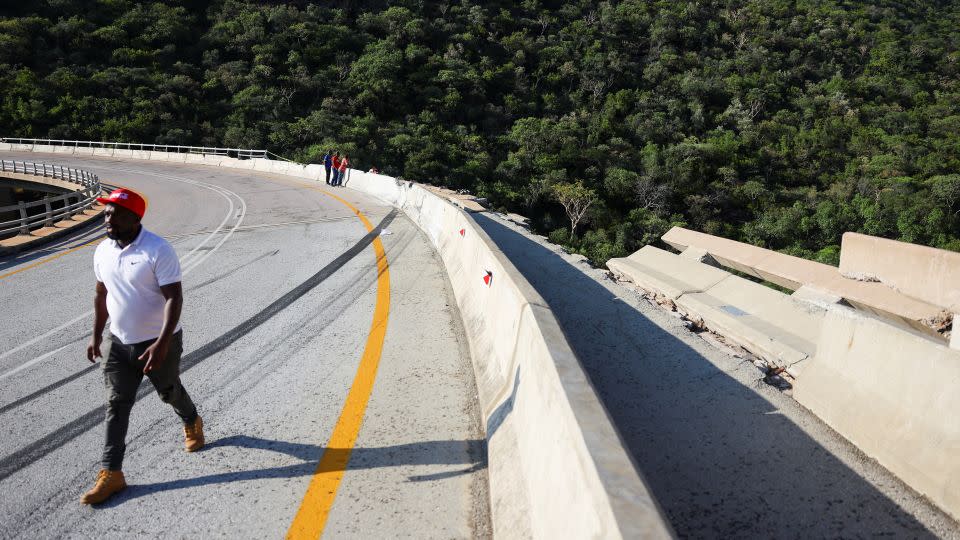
559 236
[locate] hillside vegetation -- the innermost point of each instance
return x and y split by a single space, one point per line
777 123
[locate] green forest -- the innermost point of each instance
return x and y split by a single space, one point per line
782 124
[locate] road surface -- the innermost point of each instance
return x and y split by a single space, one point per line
284 314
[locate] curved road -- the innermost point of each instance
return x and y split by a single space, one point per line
285 302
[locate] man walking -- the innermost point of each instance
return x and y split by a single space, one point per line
138 286
328 163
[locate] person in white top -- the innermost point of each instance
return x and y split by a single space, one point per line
138 287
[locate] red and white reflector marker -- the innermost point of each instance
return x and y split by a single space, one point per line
488 278
463 232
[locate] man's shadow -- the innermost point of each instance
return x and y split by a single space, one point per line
471 453
721 459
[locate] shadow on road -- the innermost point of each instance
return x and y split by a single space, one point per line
39 448
469 452
721 459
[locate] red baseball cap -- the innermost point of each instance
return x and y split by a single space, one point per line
130 200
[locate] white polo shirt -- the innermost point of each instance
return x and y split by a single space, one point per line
133 277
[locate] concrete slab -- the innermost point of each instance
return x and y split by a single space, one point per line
768 323
794 272
926 273
699 255
819 297
784 270
885 302
663 272
741 257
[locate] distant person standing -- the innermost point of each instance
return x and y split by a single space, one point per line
138 286
344 163
336 167
328 163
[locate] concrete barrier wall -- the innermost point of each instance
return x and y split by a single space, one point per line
930 274
557 467
893 394
793 273
889 389
780 329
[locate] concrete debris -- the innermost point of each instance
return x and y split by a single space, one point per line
861 276
942 323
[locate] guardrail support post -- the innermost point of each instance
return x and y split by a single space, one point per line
24 228
48 217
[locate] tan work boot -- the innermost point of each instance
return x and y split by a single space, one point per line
108 483
193 435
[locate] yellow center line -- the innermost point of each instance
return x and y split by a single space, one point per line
48 259
317 502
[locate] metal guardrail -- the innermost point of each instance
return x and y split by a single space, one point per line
239 153
86 197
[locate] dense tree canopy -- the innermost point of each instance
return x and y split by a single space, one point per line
778 123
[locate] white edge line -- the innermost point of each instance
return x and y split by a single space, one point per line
184 272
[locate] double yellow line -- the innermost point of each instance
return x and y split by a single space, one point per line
315 508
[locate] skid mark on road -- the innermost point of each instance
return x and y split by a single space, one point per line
311 518
44 446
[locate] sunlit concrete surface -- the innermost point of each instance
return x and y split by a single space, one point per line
280 285
724 454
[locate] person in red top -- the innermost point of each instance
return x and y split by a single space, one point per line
343 170
336 168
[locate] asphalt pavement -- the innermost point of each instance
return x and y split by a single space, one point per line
282 287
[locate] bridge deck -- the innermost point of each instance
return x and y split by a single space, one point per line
281 285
